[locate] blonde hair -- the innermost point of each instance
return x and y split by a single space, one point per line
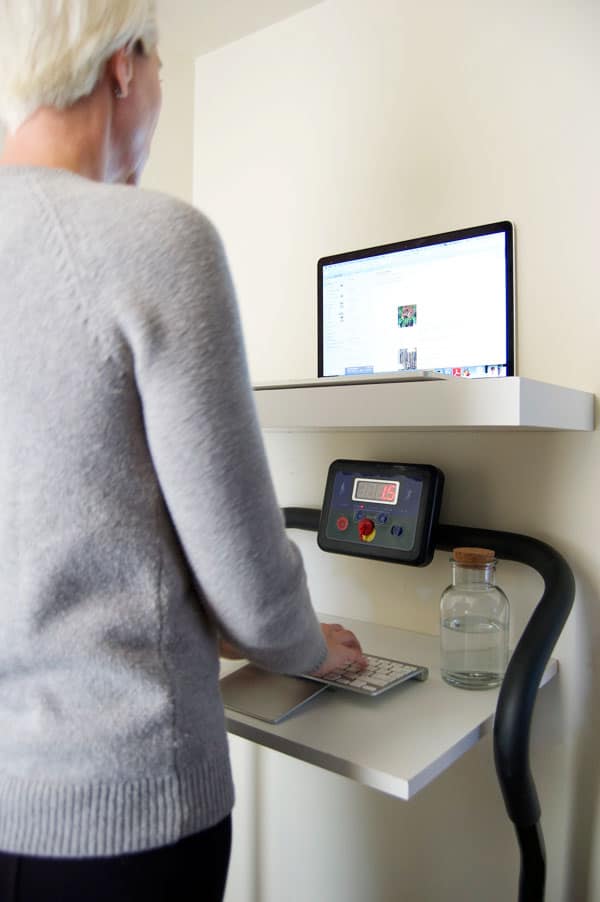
52 52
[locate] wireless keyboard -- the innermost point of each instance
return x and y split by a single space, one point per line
380 675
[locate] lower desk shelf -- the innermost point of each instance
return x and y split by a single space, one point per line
396 743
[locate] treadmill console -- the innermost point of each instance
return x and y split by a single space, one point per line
385 511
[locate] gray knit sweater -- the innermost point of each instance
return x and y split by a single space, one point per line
137 519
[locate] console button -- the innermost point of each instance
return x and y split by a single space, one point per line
365 528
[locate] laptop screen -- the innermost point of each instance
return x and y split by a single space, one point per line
443 303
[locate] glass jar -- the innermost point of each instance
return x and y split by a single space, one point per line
474 622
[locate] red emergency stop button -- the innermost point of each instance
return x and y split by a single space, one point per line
342 523
365 528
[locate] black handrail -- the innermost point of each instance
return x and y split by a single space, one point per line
514 711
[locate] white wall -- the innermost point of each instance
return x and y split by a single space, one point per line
188 28
352 124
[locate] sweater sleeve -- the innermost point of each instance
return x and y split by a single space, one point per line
208 453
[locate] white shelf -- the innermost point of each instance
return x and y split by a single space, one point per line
396 743
454 404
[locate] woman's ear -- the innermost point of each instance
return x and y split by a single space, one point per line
120 71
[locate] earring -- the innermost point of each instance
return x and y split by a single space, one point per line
118 92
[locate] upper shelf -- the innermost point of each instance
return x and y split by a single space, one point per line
508 403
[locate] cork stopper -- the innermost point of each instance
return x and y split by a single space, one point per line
474 557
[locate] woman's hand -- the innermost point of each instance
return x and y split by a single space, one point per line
343 648
342 645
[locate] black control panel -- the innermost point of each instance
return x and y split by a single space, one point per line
381 510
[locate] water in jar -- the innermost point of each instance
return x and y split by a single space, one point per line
474 650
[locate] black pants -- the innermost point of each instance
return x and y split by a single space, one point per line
192 870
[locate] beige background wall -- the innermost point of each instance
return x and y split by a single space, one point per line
189 28
350 124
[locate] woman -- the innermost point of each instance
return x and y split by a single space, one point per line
138 522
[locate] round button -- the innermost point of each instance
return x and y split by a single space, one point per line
365 528
382 518
397 530
342 523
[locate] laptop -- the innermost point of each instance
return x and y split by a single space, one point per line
428 308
